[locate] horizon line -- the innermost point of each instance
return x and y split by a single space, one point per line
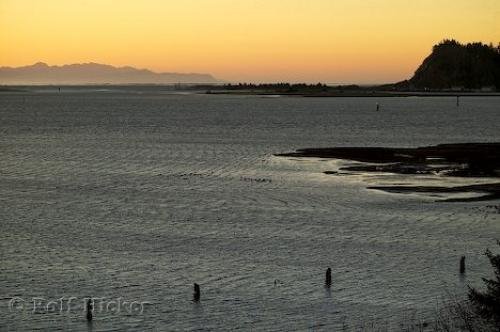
221 80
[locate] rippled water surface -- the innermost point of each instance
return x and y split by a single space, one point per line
138 194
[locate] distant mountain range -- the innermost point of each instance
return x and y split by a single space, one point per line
94 73
455 66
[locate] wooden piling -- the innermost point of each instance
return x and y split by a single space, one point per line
197 293
328 277
462 265
89 309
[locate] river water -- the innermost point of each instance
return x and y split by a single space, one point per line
132 195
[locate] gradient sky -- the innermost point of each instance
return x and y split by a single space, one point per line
333 41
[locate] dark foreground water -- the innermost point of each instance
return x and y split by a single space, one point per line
135 195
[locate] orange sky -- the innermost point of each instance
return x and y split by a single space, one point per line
333 41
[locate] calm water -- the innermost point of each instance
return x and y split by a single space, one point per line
138 194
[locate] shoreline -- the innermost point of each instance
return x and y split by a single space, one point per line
466 160
488 191
378 94
364 92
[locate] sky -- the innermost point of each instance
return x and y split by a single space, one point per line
330 41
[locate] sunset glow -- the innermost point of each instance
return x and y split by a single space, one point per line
362 41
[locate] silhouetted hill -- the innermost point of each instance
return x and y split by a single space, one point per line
452 65
94 73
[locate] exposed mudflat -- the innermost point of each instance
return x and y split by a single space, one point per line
471 160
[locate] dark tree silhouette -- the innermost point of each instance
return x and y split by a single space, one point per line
487 303
452 65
